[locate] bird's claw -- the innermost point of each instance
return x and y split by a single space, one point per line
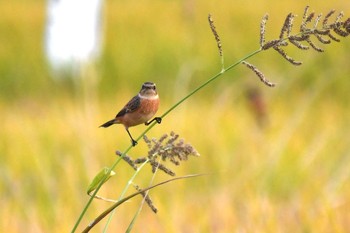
134 143
158 120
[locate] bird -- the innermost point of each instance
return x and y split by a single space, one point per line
140 109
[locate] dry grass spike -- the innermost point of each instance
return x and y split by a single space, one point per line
218 41
147 199
307 31
263 30
127 159
259 74
325 20
287 26
215 33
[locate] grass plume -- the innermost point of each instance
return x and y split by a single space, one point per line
303 39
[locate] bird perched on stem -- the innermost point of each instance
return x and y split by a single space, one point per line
140 109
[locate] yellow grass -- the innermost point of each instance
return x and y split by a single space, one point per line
290 175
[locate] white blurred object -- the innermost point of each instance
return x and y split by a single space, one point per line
73 33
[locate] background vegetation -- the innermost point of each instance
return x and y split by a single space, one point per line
290 174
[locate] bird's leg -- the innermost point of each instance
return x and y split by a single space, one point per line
157 119
134 142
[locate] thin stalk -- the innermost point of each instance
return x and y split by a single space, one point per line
107 211
124 191
154 123
202 86
97 189
142 203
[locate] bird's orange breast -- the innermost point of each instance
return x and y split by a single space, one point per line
147 109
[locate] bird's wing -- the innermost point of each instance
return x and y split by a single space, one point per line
131 106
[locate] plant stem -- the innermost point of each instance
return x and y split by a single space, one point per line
206 83
97 189
107 211
124 191
224 70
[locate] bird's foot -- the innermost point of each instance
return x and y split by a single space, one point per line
134 143
157 119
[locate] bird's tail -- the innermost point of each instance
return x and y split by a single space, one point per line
108 123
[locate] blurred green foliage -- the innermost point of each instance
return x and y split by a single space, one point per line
290 175
139 45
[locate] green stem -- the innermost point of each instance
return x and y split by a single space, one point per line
154 123
97 189
206 83
131 180
107 211
143 201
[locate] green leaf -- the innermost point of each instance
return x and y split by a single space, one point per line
101 176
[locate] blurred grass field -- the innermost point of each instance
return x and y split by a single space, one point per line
289 175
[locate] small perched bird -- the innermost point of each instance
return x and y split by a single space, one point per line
138 110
